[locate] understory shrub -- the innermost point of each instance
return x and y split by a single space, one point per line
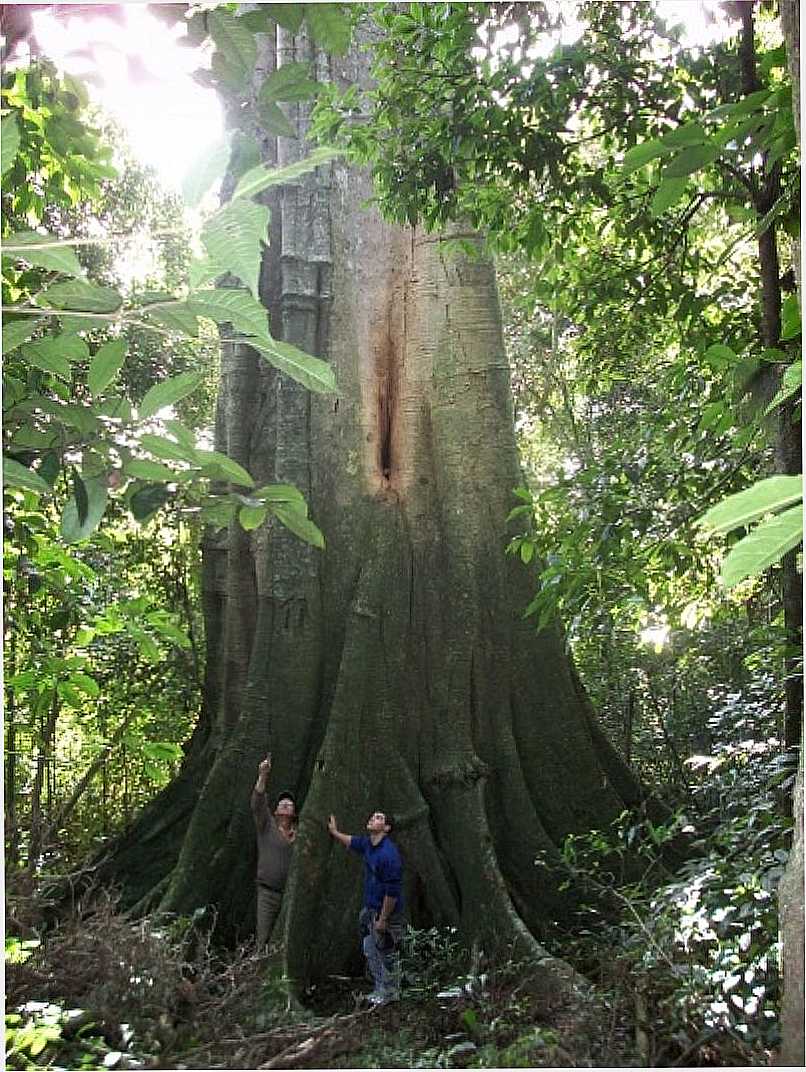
696 952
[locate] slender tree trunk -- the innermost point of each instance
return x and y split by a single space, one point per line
395 669
46 732
791 899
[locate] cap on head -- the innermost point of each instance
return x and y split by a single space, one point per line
286 796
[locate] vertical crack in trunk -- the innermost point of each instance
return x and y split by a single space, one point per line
386 364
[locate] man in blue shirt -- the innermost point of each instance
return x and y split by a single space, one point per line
381 920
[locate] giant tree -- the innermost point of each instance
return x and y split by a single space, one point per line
392 668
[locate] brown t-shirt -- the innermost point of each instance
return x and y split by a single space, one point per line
273 850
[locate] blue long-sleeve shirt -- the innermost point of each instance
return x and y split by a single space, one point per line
383 871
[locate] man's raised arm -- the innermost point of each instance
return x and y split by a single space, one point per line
334 831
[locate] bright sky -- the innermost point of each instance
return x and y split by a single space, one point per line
144 76
145 83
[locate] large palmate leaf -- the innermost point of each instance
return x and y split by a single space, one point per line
311 372
329 26
291 82
764 546
764 497
236 307
289 16
236 50
105 365
260 178
234 240
80 296
81 519
169 391
205 173
176 316
42 251
9 142
274 120
16 475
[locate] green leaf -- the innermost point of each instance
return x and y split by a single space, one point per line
213 459
34 248
167 449
146 501
790 318
162 751
311 372
149 648
261 177
147 470
234 239
282 493
72 528
18 331
329 26
176 316
236 307
184 435
690 160
84 683
9 142
81 497
79 296
668 193
752 102
642 154
764 546
299 524
687 134
718 356
16 475
790 385
289 16
236 50
202 271
169 391
765 496
55 353
218 512
274 121
206 171
105 365
252 516
291 82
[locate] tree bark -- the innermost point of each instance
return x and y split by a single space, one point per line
790 895
393 670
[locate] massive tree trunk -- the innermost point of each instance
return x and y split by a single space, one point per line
394 669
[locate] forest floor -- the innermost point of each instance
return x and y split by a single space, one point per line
100 991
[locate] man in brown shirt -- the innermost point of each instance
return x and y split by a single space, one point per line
275 843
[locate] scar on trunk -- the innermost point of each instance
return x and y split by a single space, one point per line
386 370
